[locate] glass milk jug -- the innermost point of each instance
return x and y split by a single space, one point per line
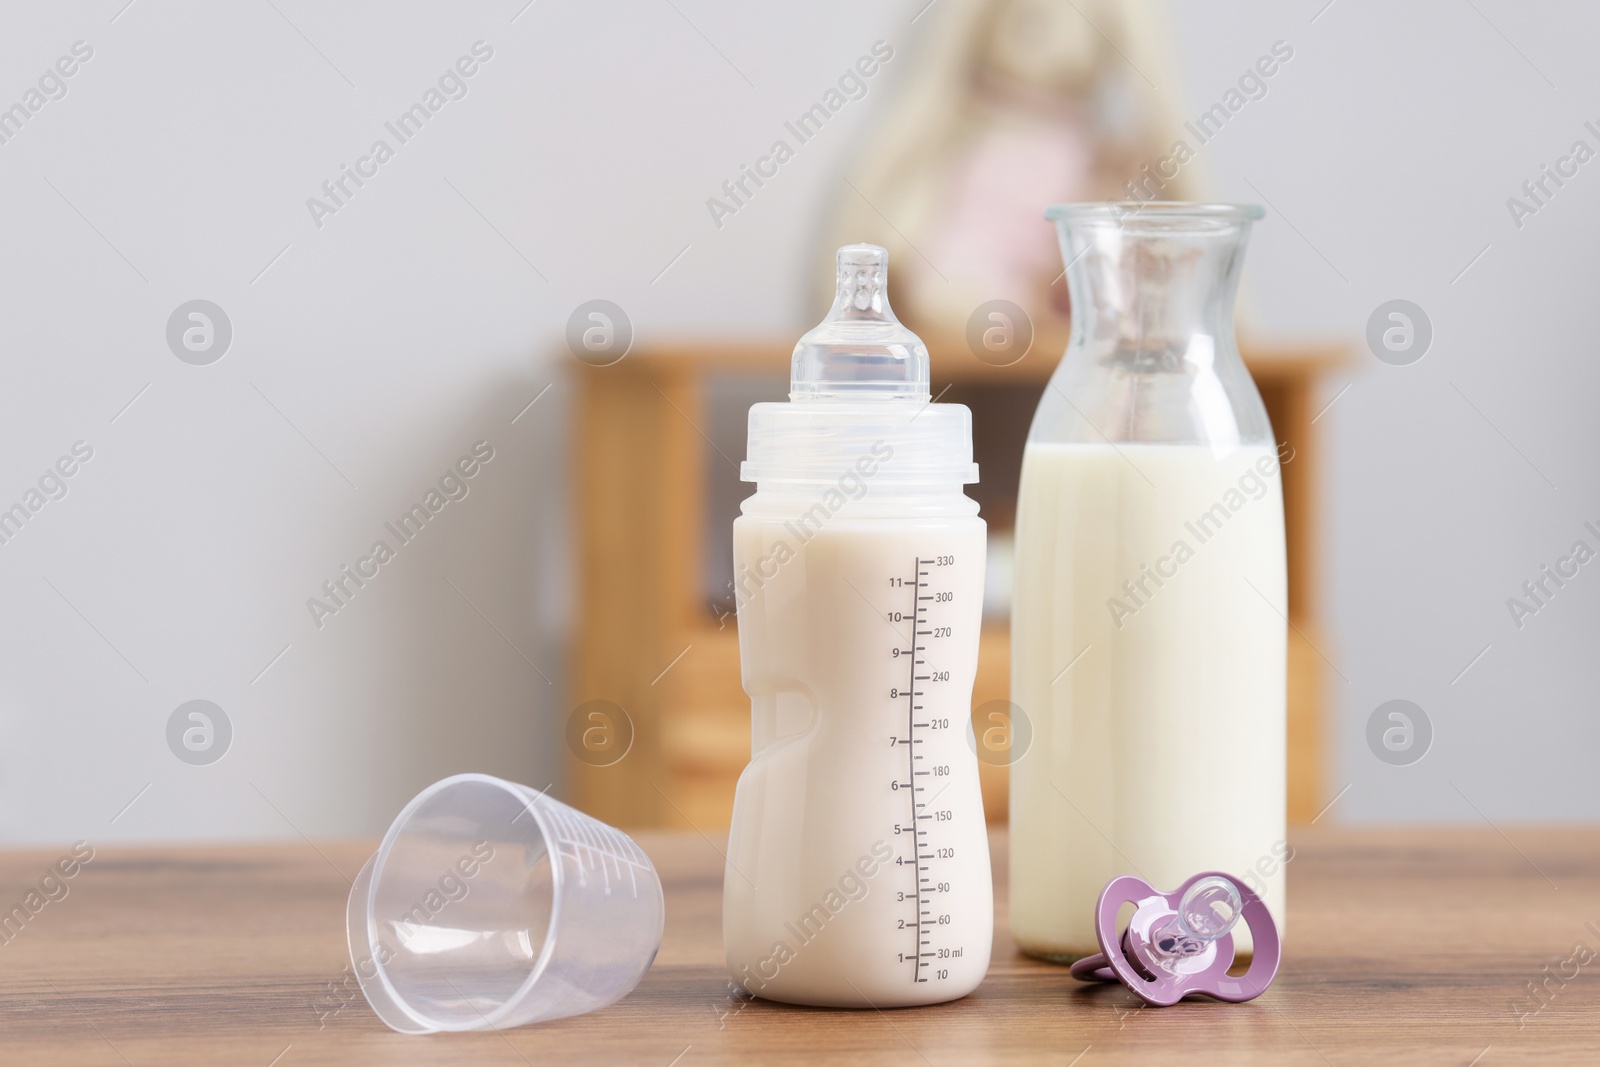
1148 629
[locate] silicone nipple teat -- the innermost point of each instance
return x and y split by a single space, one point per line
1209 909
1181 942
863 278
860 351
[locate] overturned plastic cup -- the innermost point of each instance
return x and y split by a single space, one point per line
490 905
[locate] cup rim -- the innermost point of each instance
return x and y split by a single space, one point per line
529 801
1117 210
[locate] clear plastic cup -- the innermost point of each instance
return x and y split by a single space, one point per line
490 905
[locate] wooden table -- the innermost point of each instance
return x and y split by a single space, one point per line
1406 946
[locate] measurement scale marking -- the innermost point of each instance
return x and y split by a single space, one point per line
911 726
923 851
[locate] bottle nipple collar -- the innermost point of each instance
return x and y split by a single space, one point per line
1180 942
858 392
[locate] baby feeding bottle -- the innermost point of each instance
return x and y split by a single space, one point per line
1148 627
858 862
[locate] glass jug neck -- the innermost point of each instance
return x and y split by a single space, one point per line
1152 284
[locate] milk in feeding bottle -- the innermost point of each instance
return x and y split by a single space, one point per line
858 864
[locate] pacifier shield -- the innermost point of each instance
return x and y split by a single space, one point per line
1180 942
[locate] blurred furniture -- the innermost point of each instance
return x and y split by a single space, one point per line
999 107
236 955
652 639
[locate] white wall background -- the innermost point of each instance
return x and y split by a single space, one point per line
370 353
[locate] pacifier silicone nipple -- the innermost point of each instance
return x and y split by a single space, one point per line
1209 909
860 351
1181 942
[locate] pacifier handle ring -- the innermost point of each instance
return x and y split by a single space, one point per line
1127 889
1094 968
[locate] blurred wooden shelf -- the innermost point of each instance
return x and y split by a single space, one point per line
648 640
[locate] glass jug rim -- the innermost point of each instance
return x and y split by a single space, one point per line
1174 210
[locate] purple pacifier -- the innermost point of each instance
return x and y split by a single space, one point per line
1180 942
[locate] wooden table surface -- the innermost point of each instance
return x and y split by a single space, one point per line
1413 946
